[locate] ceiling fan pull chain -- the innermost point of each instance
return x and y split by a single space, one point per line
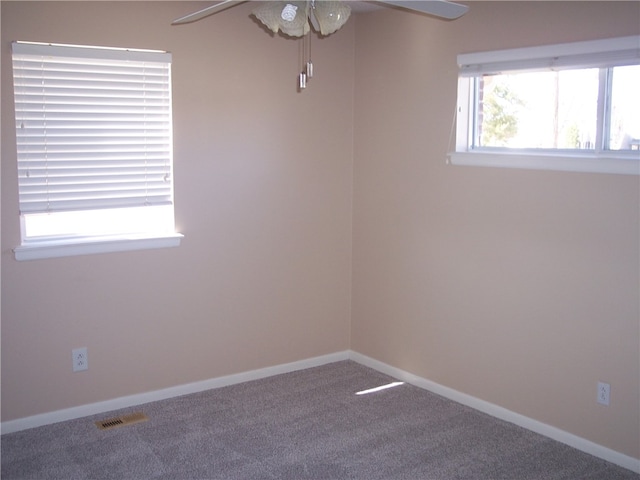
309 62
302 76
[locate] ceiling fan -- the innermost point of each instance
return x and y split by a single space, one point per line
292 17
438 8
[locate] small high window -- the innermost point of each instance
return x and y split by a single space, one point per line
564 107
94 148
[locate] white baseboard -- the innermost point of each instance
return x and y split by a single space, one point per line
562 436
142 398
549 431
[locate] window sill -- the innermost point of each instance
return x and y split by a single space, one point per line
35 250
629 165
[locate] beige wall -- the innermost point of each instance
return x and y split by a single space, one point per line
263 197
517 287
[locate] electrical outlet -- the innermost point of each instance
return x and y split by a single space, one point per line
604 392
80 359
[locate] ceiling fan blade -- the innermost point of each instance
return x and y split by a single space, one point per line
439 8
205 12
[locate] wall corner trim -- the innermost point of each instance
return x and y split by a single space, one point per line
501 413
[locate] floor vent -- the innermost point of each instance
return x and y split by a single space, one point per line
121 421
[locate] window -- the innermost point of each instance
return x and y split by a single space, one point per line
94 148
560 107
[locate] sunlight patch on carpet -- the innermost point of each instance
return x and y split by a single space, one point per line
380 388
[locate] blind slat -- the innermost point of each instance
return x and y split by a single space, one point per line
91 54
93 127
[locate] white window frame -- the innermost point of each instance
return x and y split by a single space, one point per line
595 53
150 215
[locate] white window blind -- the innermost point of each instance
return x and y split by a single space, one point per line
588 54
93 127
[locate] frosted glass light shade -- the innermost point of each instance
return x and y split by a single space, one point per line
331 15
278 16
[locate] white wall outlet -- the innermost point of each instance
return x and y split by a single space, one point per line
80 359
604 392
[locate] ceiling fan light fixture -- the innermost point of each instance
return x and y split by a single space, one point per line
331 15
288 13
327 16
289 17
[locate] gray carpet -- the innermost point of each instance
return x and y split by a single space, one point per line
308 424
